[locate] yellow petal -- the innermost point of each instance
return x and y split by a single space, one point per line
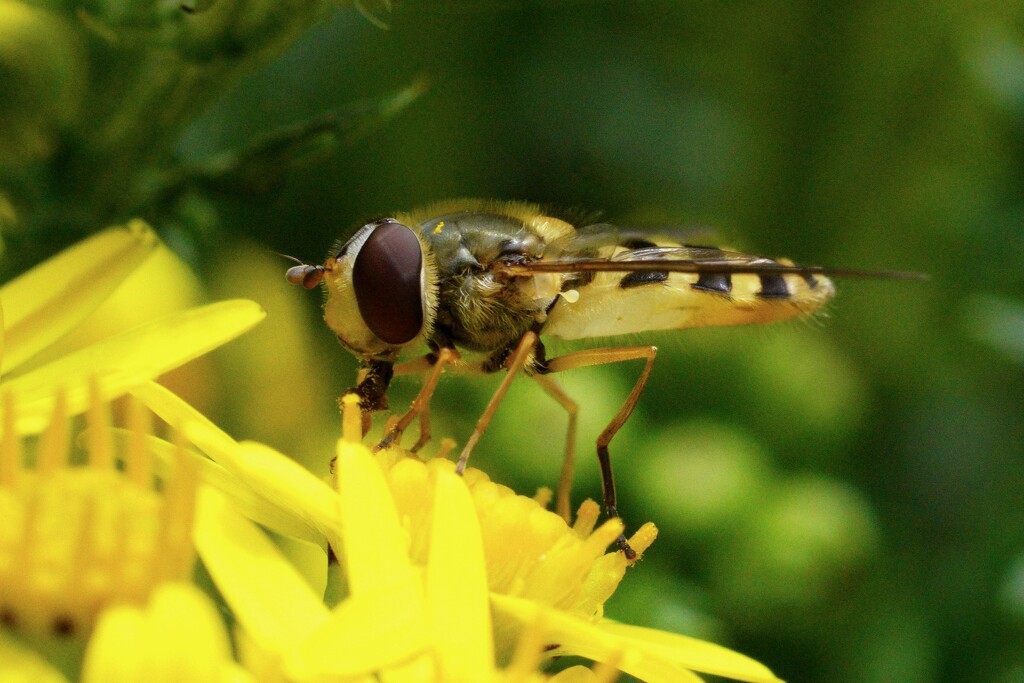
575 674
190 641
379 627
271 600
178 636
309 559
269 487
693 653
373 547
577 637
289 486
118 647
45 303
418 670
162 284
251 503
459 612
179 414
129 359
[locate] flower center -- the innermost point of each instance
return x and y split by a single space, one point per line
75 539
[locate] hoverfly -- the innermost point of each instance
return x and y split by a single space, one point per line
489 278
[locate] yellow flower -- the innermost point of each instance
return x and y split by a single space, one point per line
90 543
441 578
74 540
400 620
44 304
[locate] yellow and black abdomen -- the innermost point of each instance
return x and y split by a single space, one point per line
612 303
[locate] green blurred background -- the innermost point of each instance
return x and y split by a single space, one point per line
842 499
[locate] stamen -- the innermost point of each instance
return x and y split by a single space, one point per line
138 461
586 518
351 419
643 538
53 446
10 445
445 448
100 449
173 555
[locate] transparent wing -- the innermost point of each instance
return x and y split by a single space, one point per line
583 256
590 238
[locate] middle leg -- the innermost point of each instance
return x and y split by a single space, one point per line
553 389
513 363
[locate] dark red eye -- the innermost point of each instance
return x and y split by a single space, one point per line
386 279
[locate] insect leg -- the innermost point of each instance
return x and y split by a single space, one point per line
424 430
555 391
420 365
420 403
513 364
416 366
601 357
371 389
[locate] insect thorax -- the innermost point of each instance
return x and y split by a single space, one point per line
478 309
480 314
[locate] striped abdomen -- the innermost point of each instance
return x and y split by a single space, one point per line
612 303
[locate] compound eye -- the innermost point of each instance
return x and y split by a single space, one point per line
386 277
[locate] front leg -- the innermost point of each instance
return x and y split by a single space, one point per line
421 404
372 389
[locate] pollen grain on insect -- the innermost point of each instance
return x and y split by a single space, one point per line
439 227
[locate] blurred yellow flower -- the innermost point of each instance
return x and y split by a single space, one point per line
45 304
75 540
84 548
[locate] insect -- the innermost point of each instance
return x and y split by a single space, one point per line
477 283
